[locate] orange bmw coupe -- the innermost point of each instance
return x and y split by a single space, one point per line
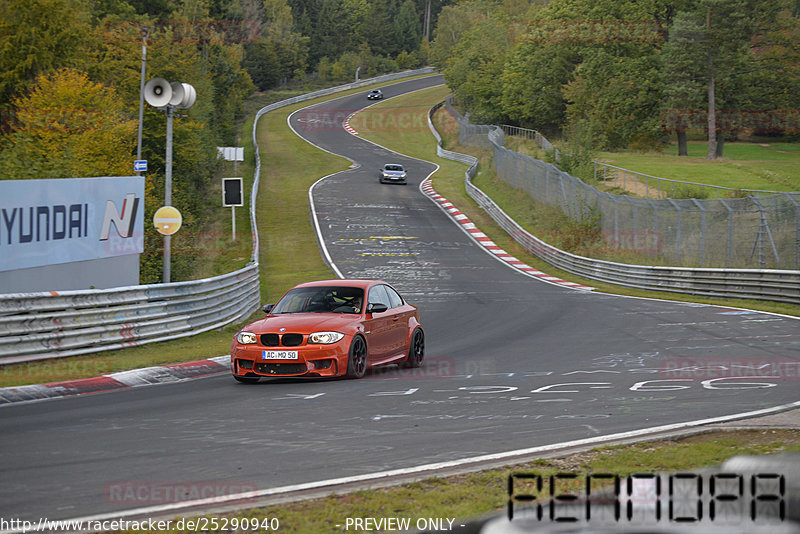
330 328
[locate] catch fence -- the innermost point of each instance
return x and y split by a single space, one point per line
762 284
744 232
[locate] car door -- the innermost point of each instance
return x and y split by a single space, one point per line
378 327
399 325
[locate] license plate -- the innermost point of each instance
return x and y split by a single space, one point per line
279 355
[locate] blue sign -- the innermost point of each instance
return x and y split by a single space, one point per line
140 165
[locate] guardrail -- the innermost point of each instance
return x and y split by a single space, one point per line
38 326
760 284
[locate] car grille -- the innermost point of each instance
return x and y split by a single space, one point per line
291 340
287 340
281 368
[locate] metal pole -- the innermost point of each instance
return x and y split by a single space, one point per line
233 223
730 231
702 231
145 32
168 193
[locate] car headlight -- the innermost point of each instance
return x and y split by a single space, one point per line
325 338
246 338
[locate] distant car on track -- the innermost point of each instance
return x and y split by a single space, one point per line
375 94
393 173
330 328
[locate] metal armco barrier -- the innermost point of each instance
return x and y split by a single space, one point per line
760 284
39 326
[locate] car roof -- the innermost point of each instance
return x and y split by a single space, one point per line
342 282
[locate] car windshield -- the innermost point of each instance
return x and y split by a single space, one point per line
393 167
326 299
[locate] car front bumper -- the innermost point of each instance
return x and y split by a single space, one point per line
312 360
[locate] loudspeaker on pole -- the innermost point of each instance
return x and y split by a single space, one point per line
158 92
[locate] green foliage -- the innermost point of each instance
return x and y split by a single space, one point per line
476 65
578 156
532 84
680 190
75 73
68 127
37 37
617 67
376 30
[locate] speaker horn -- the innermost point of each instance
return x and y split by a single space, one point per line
177 94
158 92
189 96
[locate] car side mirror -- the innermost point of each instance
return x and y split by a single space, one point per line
268 308
377 307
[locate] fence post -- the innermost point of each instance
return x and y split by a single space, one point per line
654 206
678 233
547 183
702 231
616 220
763 230
730 231
796 230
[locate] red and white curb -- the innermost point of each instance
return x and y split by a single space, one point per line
148 376
483 240
347 126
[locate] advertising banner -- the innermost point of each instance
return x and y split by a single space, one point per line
47 222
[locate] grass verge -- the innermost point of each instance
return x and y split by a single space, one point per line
766 166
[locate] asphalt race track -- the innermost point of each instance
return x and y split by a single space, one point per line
511 363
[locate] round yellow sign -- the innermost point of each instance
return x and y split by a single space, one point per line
167 220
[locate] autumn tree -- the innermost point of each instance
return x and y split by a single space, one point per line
69 127
39 36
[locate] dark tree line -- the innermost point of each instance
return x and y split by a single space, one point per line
622 73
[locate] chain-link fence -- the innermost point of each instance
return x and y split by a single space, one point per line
750 232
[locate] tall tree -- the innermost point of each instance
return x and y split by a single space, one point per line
407 27
69 127
683 83
37 37
717 40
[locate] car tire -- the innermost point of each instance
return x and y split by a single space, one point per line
416 352
245 380
357 358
